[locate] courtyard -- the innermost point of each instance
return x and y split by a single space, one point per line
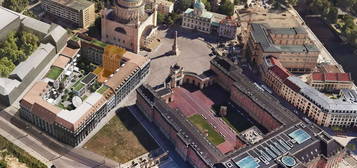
199 108
122 139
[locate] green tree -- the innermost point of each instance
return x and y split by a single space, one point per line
15 5
182 5
332 15
236 2
28 42
160 18
226 7
6 67
3 164
292 2
345 4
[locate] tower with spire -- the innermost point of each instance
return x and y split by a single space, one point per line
175 49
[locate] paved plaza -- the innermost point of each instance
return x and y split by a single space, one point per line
193 56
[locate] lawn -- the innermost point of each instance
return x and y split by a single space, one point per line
102 89
78 85
54 73
203 126
122 139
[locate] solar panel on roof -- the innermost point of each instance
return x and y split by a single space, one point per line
287 147
276 151
281 149
265 155
89 78
270 152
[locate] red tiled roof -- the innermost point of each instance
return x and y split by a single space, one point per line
331 76
280 72
279 69
292 85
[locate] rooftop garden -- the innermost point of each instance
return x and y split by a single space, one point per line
15 49
78 85
102 89
54 73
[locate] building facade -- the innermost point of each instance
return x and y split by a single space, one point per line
228 28
164 6
291 46
72 126
320 108
204 21
330 82
53 39
129 25
79 12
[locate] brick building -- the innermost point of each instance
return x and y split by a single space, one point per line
289 142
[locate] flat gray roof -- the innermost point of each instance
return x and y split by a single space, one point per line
321 100
32 62
7 17
75 4
260 32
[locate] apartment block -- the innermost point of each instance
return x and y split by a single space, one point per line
79 12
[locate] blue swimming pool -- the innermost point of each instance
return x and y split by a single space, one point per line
247 162
300 136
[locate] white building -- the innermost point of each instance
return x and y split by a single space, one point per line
202 20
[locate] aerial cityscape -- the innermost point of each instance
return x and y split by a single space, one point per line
178 83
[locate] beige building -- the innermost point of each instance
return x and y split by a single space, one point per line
202 20
228 28
164 6
291 46
325 111
79 12
330 82
129 25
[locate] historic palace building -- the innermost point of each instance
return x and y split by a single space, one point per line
291 46
289 141
129 25
202 20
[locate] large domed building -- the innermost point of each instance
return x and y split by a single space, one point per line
128 24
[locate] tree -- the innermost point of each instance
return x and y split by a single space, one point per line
28 42
226 7
6 67
292 2
182 5
15 5
160 18
236 2
332 15
345 4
